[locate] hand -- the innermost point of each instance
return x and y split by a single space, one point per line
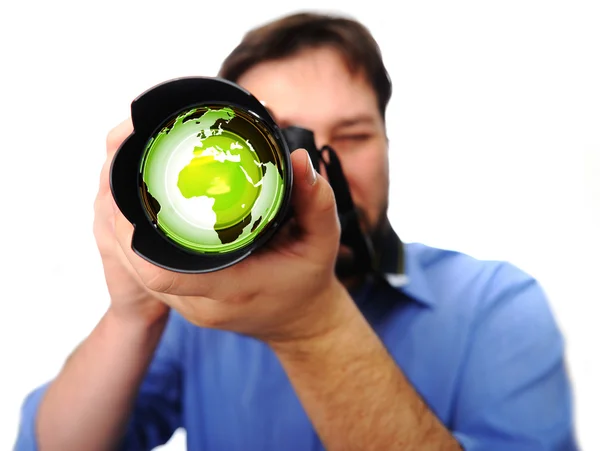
284 291
130 298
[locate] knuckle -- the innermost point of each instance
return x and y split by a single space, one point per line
105 170
113 140
156 279
96 230
104 247
105 241
117 135
327 200
98 204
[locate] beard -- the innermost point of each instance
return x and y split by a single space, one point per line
348 266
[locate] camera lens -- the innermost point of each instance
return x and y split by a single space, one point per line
212 178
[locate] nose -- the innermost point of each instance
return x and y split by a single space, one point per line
320 139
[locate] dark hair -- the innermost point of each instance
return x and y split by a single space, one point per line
291 34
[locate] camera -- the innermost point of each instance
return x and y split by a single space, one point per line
206 177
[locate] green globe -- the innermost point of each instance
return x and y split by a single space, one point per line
212 179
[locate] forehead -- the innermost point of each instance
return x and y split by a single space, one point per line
312 88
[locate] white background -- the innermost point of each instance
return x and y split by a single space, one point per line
495 143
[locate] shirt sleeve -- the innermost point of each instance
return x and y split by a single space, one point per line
514 392
157 411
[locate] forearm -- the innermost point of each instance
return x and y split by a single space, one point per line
356 396
87 406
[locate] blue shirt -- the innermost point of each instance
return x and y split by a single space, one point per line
477 340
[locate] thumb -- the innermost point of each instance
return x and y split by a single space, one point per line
313 202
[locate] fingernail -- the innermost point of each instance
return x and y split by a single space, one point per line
311 174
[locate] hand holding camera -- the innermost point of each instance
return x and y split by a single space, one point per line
201 188
130 298
286 290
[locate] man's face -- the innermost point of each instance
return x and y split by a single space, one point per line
315 90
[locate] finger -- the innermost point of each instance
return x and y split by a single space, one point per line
103 211
155 278
103 215
104 185
117 135
114 139
314 203
123 231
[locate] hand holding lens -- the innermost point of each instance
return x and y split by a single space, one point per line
206 177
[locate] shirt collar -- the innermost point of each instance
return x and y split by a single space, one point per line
402 270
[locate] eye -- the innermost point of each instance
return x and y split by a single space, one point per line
354 137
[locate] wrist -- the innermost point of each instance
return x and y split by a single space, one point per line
334 311
147 318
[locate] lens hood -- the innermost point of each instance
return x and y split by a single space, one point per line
205 177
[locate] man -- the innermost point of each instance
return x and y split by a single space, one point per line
441 352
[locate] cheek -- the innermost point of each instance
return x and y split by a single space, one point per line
368 179
367 176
